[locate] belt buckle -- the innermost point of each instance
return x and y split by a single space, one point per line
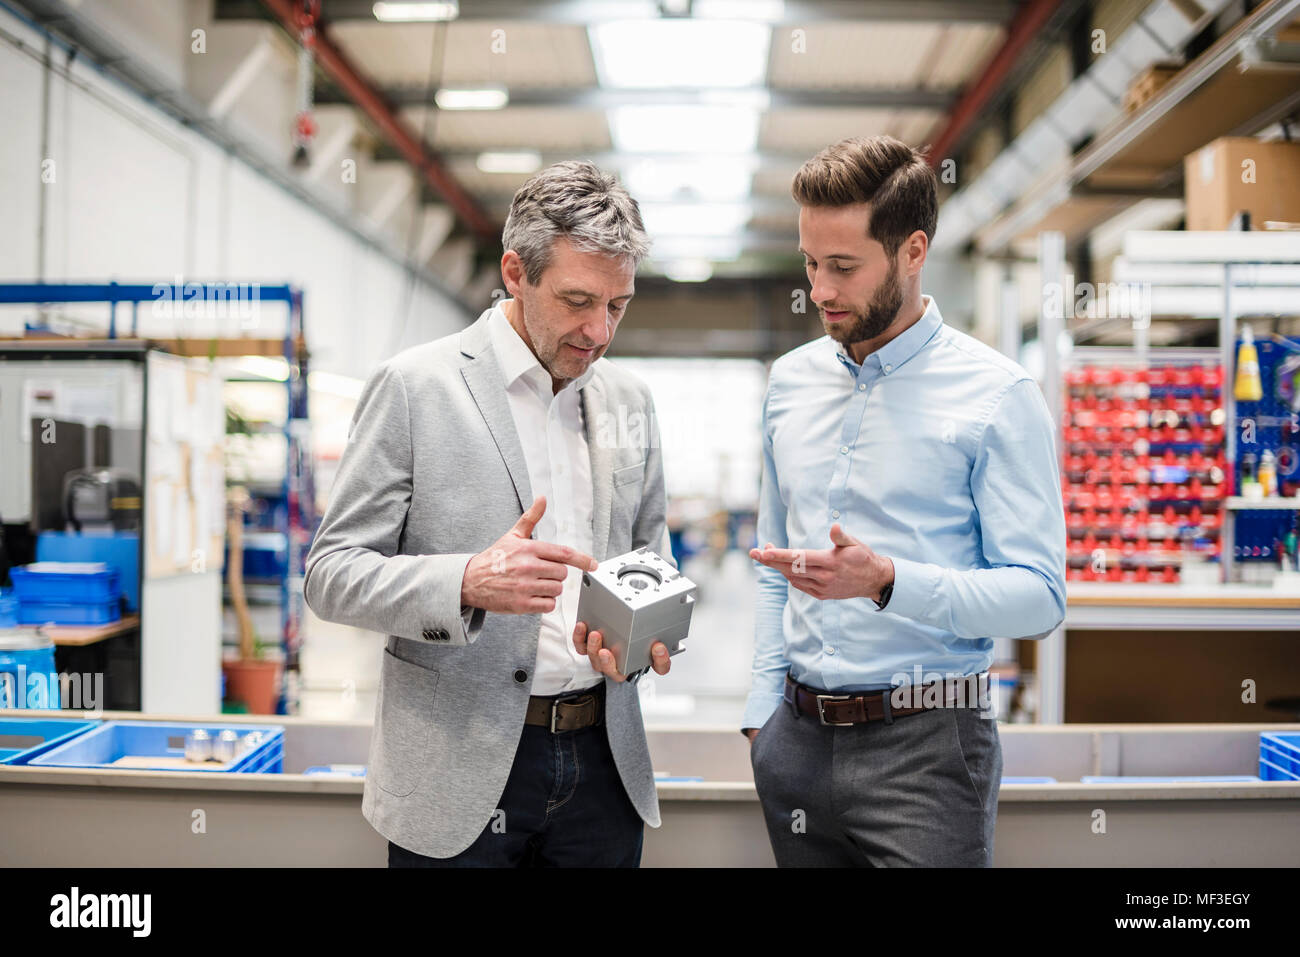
569 699
821 710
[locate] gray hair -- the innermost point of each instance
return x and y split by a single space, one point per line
580 202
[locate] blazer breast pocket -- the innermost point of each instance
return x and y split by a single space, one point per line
405 707
629 482
629 474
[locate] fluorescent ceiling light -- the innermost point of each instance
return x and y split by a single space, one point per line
519 161
683 129
687 52
694 219
490 98
707 178
716 248
410 12
688 270
769 11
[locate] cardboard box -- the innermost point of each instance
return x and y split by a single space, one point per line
1239 173
1148 83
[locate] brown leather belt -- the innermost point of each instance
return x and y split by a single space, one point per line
567 712
841 710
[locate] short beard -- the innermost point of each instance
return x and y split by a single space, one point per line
550 358
880 313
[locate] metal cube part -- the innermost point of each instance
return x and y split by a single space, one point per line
635 600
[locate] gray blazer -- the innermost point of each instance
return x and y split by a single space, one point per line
434 473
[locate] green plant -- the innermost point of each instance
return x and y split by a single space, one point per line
236 424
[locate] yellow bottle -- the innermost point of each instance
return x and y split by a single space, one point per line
1247 387
1268 473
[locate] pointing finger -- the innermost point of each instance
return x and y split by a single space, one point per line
565 555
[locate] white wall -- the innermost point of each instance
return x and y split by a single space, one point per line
137 197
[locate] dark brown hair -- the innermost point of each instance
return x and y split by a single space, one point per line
888 174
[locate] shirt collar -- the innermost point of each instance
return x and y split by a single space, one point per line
891 356
517 360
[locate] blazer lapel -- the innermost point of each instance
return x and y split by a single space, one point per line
483 377
602 468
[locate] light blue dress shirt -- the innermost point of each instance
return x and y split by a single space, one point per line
937 452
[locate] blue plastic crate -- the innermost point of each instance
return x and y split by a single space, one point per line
268 759
22 739
68 613
66 583
337 771
119 551
1268 771
113 740
1165 779
28 678
1279 756
265 555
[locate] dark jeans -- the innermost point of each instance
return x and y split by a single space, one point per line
563 806
921 792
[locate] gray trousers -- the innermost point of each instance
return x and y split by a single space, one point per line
920 792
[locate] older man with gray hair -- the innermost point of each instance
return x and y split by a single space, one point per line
477 487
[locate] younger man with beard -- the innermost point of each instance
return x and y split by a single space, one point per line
911 507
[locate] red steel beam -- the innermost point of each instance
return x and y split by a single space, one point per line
1029 19
399 135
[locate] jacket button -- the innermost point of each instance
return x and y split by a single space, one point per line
521 676
427 634
442 634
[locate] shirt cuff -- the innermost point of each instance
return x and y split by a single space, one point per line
471 620
760 706
915 587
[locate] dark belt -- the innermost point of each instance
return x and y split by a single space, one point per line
841 710
568 712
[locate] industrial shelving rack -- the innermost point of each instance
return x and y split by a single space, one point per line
299 522
1224 276
1250 274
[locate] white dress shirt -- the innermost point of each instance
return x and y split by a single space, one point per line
551 432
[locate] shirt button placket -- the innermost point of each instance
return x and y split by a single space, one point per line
555 448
